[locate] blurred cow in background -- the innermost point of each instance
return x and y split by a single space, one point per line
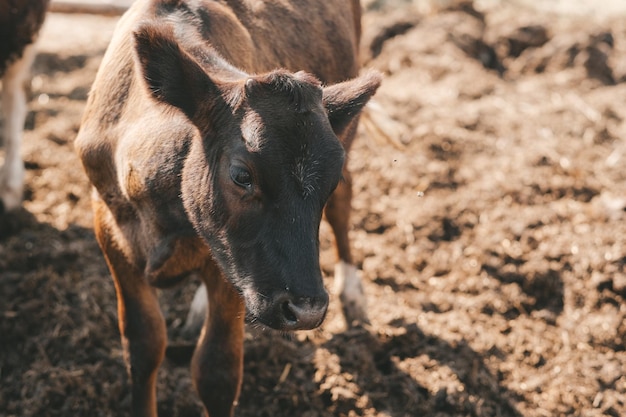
20 22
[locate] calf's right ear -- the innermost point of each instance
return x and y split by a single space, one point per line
171 74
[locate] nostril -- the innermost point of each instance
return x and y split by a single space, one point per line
288 313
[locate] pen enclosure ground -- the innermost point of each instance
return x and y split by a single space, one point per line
492 238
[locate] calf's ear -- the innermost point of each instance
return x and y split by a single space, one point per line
171 74
344 101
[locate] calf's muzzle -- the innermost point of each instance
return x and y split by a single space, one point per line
300 313
287 311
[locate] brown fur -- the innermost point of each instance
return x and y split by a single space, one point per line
209 155
20 22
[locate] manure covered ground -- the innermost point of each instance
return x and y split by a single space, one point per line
491 237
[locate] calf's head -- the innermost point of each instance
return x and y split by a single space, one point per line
266 159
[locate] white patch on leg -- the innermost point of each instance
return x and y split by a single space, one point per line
197 312
350 289
14 110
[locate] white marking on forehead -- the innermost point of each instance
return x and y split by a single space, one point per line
252 132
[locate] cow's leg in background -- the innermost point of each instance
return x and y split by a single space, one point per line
197 313
14 110
220 345
141 324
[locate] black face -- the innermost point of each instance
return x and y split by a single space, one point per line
254 187
268 190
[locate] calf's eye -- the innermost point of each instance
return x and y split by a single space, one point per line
241 176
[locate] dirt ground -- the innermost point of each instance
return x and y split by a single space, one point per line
491 238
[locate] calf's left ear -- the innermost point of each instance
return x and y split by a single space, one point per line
344 101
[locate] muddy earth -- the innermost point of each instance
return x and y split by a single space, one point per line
491 235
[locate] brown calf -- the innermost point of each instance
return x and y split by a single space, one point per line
208 159
20 22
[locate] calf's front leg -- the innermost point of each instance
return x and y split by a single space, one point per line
217 364
141 323
347 281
